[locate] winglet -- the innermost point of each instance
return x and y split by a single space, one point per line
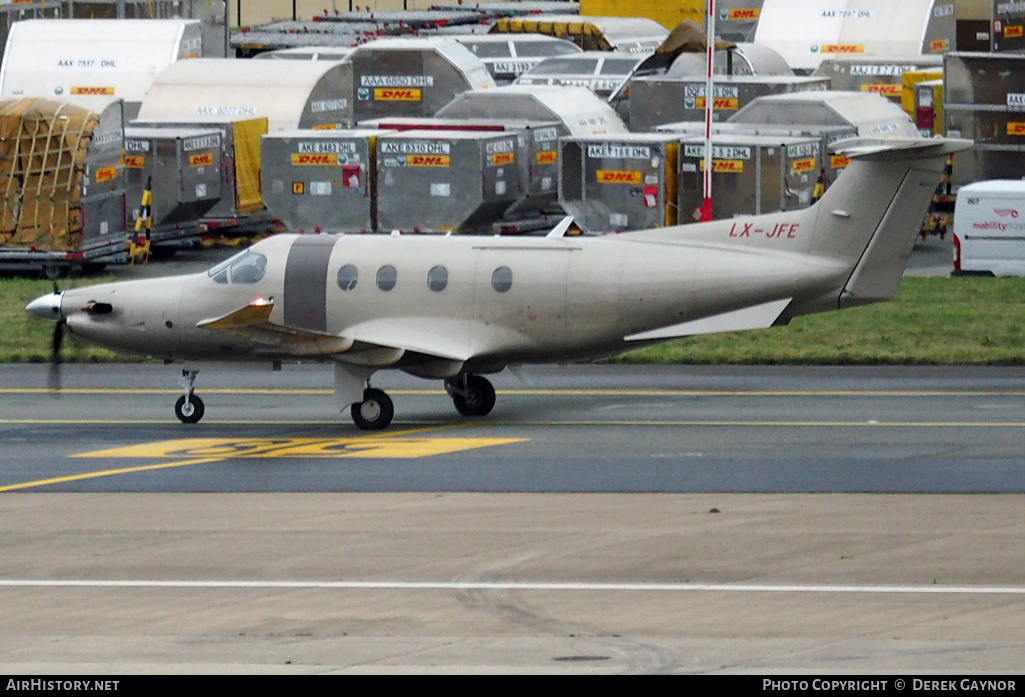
560 229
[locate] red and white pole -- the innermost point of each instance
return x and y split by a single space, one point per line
706 205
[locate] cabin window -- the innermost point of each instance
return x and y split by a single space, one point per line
347 277
501 279
386 277
437 278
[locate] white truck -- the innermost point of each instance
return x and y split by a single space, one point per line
989 229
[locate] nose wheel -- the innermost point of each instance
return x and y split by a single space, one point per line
375 412
189 408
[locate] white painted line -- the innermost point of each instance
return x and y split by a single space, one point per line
514 586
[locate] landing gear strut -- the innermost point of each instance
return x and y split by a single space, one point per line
189 408
375 412
472 395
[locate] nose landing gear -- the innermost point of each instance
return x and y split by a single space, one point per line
189 408
375 412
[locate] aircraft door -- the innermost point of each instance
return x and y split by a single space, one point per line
305 290
519 299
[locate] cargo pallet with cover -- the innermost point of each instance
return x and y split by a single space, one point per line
62 196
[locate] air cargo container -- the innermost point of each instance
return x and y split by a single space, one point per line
621 182
452 181
807 33
412 77
751 175
927 107
289 94
61 185
322 180
883 76
181 167
871 114
658 100
984 100
507 56
90 61
623 34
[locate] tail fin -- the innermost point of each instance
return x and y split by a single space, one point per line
872 215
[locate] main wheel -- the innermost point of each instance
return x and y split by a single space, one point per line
476 398
191 411
374 412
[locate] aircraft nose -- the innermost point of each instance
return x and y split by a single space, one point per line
46 307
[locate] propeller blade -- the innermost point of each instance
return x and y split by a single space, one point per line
56 343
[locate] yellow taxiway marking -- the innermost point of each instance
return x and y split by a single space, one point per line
540 392
375 447
201 451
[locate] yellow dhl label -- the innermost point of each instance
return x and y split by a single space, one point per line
1013 30
805 164
400 94
725 166
839 161
135 162
616 176
1016 128
744 13
201 160
726 103
105 174
502 158
938 46
546 157
427 160
885 90
842 48
92 90
324 127
314 160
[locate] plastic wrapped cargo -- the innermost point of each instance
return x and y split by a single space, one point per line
452 181
984 100
412 77
656 100
751 175
619 182
806 33
61 183
289 94
577 108
322 180
90 61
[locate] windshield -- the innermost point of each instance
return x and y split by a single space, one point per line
244 267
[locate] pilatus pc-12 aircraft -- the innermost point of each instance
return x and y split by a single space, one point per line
455 308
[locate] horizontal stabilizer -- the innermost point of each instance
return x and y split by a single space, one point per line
753 317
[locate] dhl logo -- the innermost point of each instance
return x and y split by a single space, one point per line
839 161
201 160
615 176
135 162
885 90
427 160
725 166
324 127
744 13
546 157
1012 31
842 48
105 174
725 103
938 46
403 94
502 158
805 164
92 90
318 160
1015 128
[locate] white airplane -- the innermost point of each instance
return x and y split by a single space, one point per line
457 307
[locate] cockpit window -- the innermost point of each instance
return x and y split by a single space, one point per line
244 267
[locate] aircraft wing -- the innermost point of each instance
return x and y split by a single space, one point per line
378 342
754 317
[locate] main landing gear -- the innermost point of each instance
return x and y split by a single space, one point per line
189 408
472 395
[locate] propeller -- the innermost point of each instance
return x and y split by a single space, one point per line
49 307
56 343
